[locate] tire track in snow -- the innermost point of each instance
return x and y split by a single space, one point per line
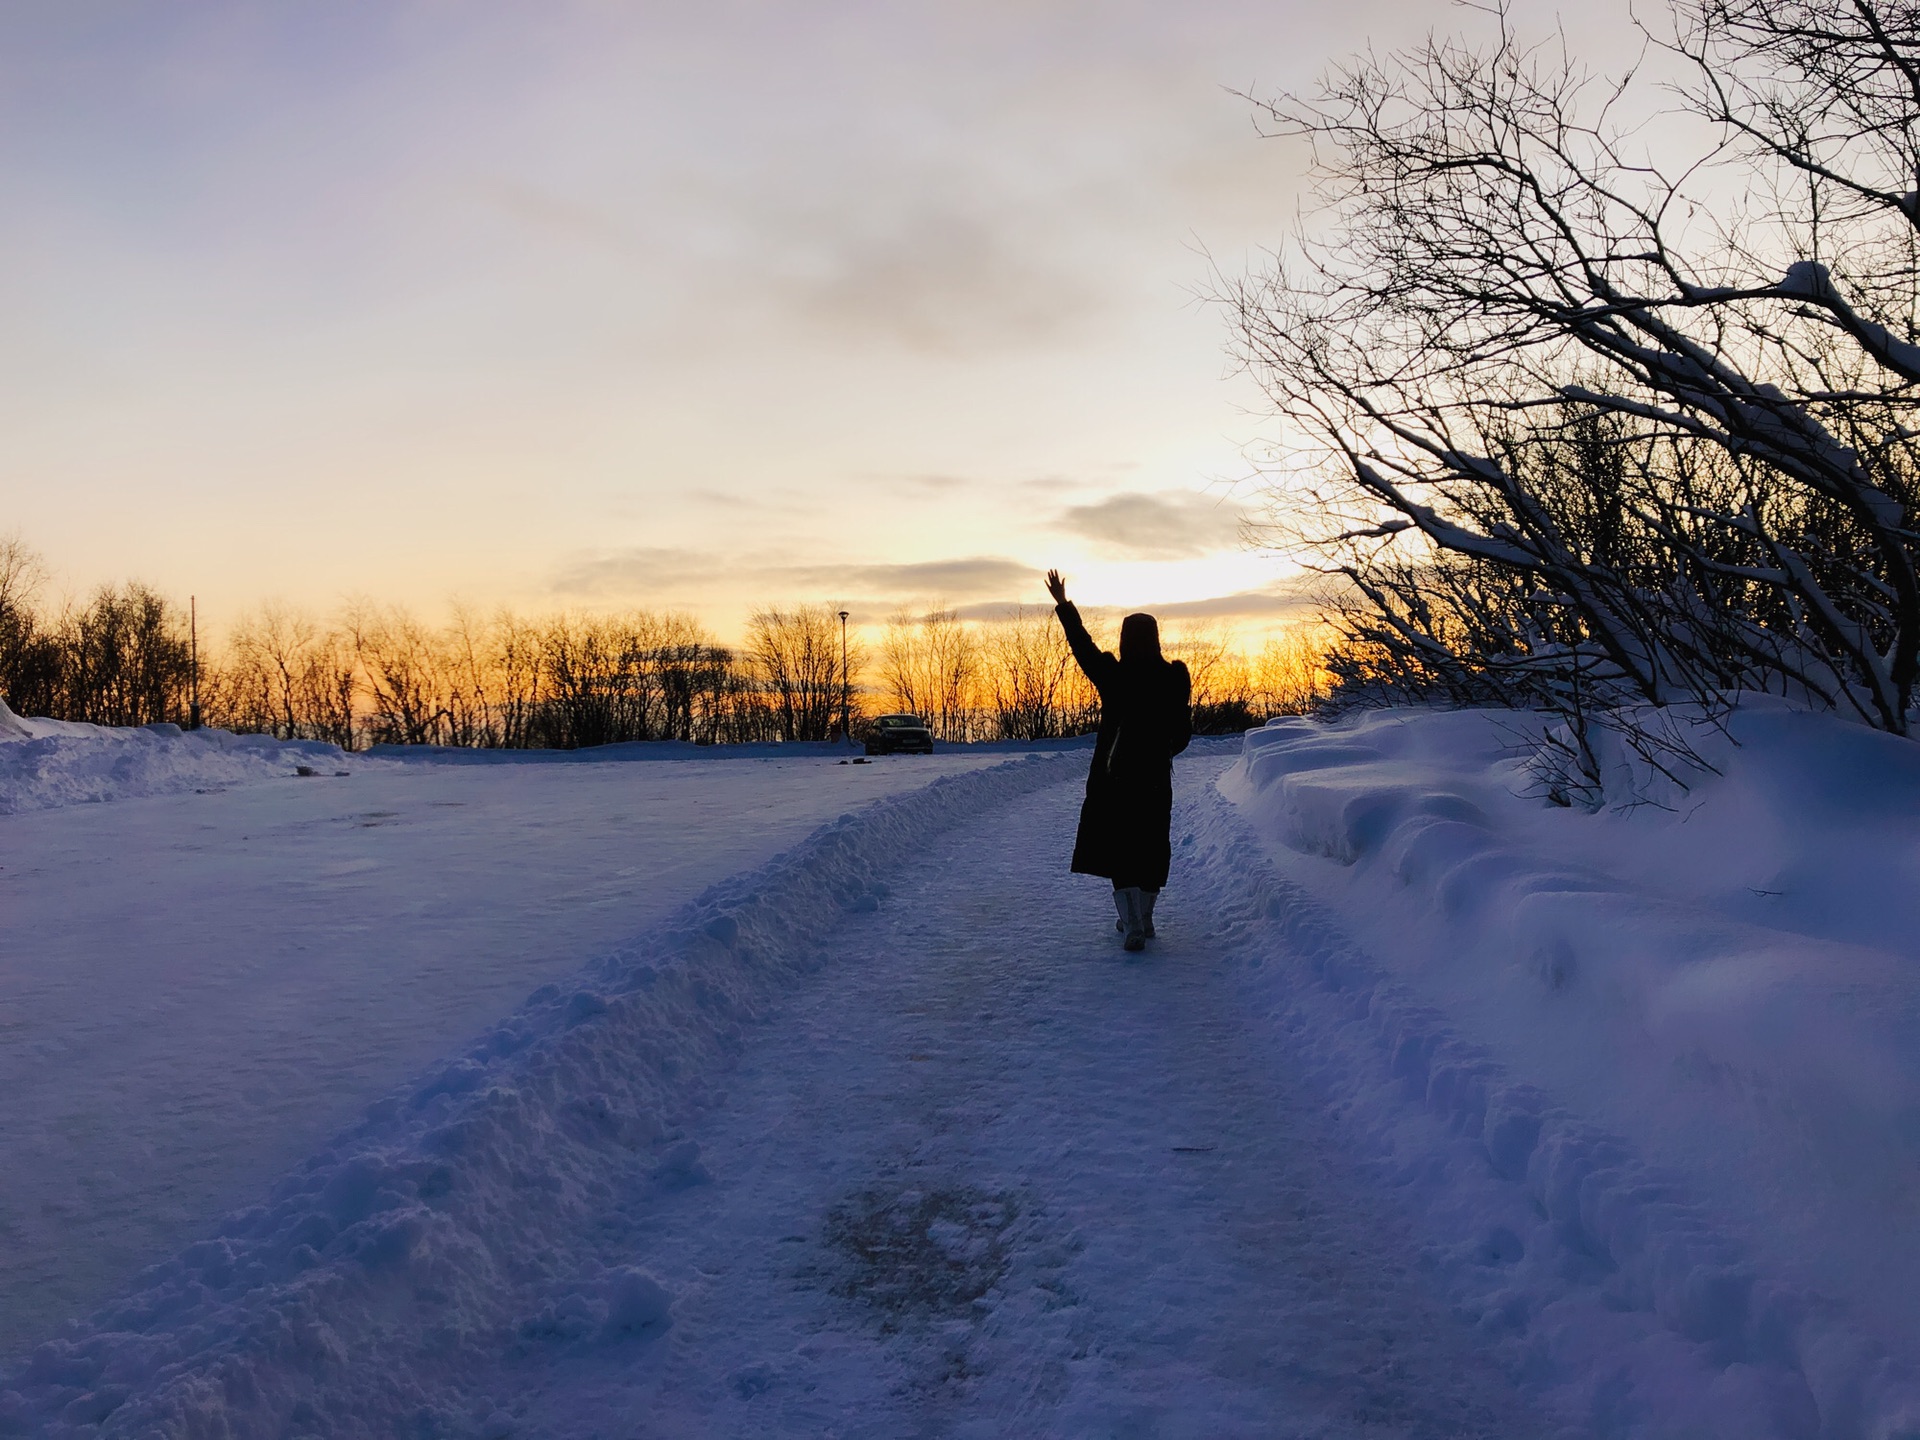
989 1177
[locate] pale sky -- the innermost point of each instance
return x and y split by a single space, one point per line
580 303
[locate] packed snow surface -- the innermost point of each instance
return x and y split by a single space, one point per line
1436 1110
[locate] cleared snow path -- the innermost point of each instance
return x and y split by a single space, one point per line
838 1154
991 1177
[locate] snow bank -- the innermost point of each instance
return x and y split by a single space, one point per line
457 1218
12 727
45 764
1652 1076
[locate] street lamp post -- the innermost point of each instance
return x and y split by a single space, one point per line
846 686
193 630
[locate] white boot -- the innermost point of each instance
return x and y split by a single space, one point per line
1147 897
1132 909
1120 904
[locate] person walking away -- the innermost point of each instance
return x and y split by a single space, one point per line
1146 718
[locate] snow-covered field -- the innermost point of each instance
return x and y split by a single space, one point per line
836 1109
198 987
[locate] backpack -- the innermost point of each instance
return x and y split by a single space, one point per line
1168 717
1179 720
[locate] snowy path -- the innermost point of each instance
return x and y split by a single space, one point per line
885 1137
987 1177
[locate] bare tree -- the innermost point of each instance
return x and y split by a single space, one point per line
29 656
689 667
1290 675
904 672
124 658
930 665
329 686
404 671
579 663
1223 694
267 669
287 674
380 674
517 679
1037 691
22 574
1565 437
796 655
469 674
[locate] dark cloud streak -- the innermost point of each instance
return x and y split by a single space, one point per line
936 279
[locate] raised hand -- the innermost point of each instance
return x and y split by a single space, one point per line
1056 587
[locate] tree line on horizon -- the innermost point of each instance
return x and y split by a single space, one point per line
378 674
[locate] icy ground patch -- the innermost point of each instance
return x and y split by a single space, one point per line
1687 1040
197 988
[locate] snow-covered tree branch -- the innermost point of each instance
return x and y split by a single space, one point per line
1645 347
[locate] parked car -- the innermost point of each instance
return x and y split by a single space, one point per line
899 734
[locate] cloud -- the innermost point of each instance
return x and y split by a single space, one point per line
925 580
1246 605
931 276
558 214
1002 609
1173 525
933 481
644 572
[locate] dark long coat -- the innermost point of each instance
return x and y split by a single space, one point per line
1145 720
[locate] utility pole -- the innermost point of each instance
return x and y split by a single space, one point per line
846 686
193 631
